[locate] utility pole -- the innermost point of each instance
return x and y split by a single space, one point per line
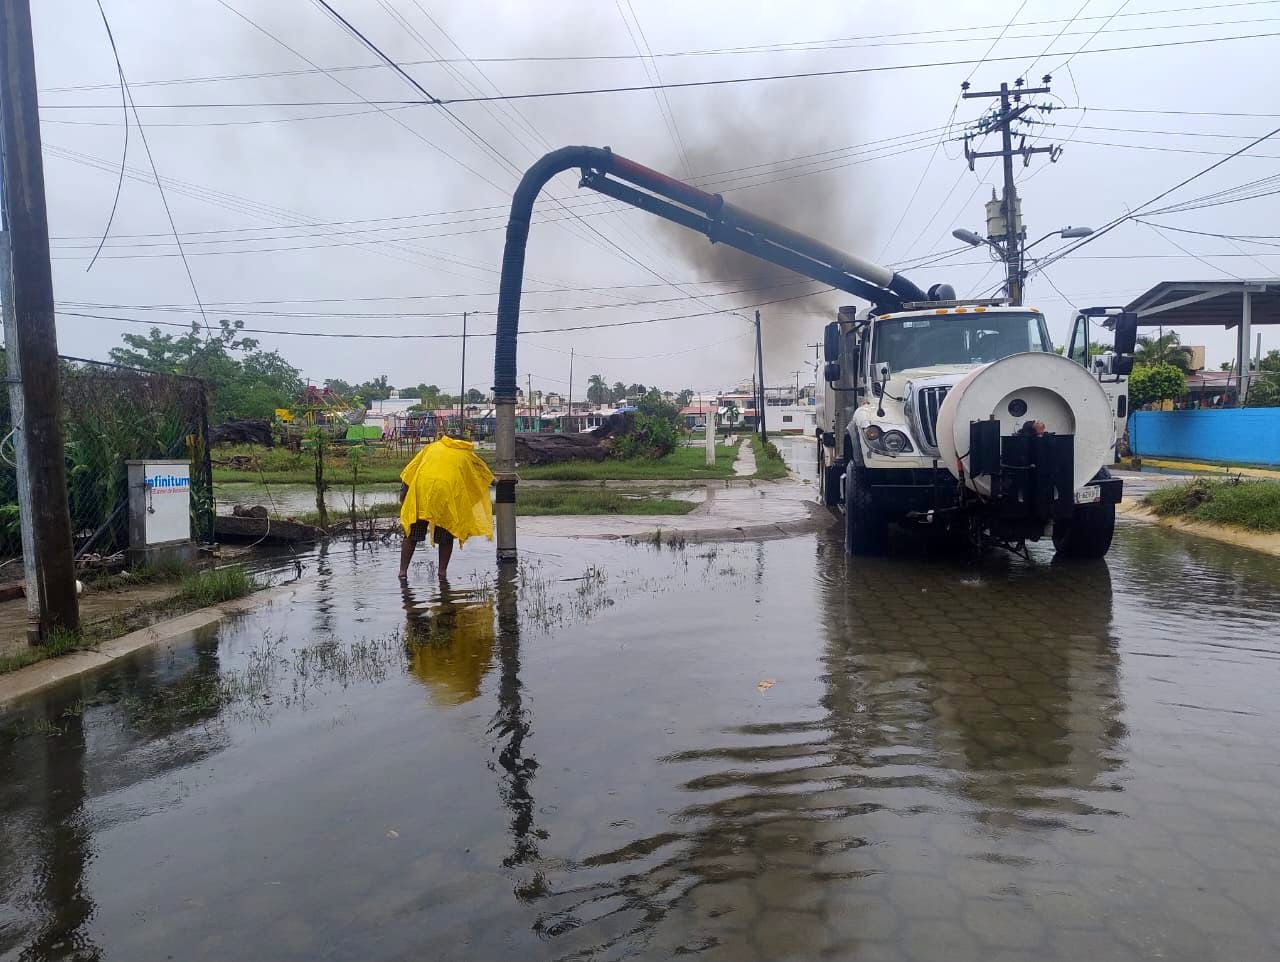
760 371
1008 226
462 394
570 385
31 343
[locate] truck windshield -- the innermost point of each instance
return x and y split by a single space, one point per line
914 342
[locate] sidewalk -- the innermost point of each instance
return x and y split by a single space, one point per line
1204 467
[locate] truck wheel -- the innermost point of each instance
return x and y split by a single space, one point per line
1087 533
866 531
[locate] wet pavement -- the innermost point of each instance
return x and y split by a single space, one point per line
746 751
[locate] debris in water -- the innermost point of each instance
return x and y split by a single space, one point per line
765 685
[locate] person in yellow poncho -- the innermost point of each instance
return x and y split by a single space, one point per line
444 493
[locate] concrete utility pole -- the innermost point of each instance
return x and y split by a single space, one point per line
570 401
1012 234
462 391
31 342
760 371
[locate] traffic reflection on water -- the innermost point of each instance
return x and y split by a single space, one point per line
759 750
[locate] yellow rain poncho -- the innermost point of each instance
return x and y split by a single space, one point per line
448 486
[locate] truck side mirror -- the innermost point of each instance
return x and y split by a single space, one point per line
1126 332
832 372
831 343
1122 364
882 372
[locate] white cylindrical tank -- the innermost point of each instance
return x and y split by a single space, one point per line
1051 388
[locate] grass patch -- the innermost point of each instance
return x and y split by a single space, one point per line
60 642
680 465
378 465
205 588
770 465
196 590
1241 503
568 500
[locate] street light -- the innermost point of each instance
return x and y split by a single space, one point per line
973 239
1014 256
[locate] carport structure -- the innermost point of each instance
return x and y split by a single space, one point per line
1239 304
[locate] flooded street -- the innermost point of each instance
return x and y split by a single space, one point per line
746 751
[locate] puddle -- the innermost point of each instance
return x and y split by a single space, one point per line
746 751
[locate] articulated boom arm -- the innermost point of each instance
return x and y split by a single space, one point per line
680 203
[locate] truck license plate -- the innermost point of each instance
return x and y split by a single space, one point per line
1088 495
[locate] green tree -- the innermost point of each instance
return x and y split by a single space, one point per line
1155 382
684 398
655 430
475 396
618 393
244 381
597 389
1163 349
1264 392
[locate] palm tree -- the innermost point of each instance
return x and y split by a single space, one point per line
597 389
1164 349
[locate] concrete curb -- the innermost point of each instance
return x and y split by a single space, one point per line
1206 467
1254 540
44 674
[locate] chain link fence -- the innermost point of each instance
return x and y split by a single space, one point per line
113 414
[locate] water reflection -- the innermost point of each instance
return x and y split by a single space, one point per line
951 764
449 641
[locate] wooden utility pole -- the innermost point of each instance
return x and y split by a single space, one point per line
30 338
1011 109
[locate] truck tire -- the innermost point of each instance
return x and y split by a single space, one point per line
866 530
1087 533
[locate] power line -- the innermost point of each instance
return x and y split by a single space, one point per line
678 85
164 200
802 46
1110 226
124 150
419 336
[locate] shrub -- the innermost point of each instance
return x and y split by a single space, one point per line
655 431
1155 382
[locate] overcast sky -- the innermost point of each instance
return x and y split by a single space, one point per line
333 207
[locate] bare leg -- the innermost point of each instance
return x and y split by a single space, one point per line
407 547
446 552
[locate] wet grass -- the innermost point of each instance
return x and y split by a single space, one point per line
571 500
682 464
770 465
195 590
1238 502
280 466
205 588
60 642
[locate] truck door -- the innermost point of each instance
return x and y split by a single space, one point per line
1078 346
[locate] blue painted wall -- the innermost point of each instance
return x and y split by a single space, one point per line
1231 435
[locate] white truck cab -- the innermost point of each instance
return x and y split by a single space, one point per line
960 414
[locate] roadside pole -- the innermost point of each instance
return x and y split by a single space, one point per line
462 390
710 418
760 378
30 338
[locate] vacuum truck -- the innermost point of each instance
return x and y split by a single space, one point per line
939 412
958 416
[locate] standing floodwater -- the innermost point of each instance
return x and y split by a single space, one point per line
748 751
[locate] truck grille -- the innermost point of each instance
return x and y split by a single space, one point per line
928 403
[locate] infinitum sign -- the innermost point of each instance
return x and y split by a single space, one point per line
159 506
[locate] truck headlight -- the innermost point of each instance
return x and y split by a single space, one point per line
895 442
891 442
